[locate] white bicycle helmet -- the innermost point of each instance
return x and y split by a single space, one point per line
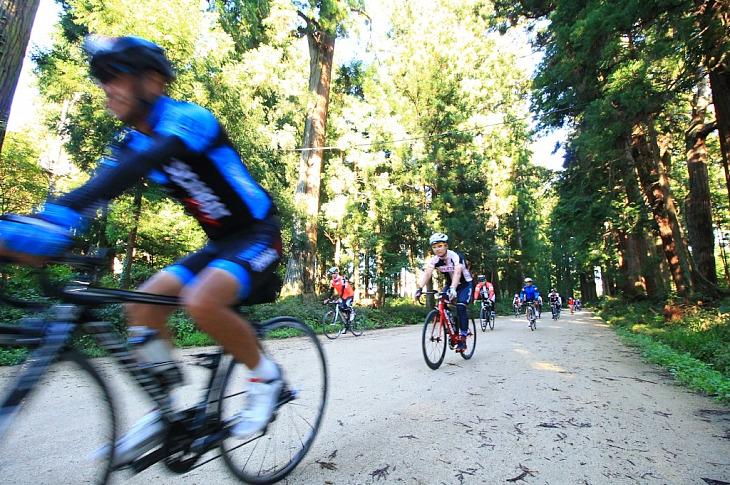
437 237
333 270
528 280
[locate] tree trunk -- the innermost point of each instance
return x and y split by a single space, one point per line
720 82
655 185
15 26
300 271
713 18
699 211
629 264
131 240
632 239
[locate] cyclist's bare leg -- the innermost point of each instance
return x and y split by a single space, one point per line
155 316
210 300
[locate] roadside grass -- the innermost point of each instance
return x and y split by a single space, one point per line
690 340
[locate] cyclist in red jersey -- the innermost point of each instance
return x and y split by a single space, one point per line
343 288
484 290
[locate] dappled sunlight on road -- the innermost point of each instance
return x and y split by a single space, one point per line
547 366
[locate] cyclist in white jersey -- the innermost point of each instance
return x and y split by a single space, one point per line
458 280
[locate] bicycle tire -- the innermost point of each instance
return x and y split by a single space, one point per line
434 340
492 318
530 314
332 325
65 429
357 325
484 319
471 342
272 454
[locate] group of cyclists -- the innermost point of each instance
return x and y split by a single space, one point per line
184 148
531 295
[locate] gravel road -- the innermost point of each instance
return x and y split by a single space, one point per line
565 404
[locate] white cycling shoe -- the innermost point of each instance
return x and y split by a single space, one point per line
260 404
145 435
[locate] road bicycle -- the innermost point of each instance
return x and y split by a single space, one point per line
56 381
440 329
487 315
517 309
335 322
531 315
555 308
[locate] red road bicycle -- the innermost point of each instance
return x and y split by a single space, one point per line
442 328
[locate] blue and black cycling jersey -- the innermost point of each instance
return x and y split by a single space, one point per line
529 293
191 156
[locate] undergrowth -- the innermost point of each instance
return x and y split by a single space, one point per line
691 340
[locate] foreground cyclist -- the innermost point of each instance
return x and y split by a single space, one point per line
184 148
458 280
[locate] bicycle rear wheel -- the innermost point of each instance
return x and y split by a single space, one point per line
434 340
64 431
471 341
357 325
332 325
271 455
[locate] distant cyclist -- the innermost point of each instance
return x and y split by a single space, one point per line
554 301
530 294
517 303
458 280
484 291
344 289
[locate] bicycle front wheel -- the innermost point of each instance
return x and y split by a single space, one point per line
434 340
471 341
332 325
357 325
64 429
484 319
492 318
272 454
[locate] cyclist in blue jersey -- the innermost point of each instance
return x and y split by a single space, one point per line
458 280
184 148
530 294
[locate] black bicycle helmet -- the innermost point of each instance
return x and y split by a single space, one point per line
126 54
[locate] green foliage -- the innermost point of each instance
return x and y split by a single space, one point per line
23 183
694 348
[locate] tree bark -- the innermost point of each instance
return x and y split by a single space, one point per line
655 186
713 22
16 23
632 283
300 271
699 211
